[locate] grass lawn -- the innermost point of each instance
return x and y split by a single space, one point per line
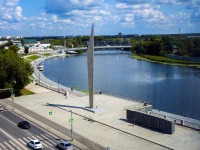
24 92
47 54
83 91
33 57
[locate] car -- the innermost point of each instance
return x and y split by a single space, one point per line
64 145
1 107
24 125
35 144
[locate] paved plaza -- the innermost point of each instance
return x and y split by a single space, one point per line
107 127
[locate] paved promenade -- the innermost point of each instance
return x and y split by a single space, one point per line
106 128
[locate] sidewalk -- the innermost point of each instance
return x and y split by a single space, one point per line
108 127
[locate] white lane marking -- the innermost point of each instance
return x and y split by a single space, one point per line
2 146
48 139
22 141
13 139
42 141
50 147
9 120
8 146
53 138
30 138
15 146
26 140
28 132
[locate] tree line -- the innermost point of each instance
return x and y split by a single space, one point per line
149 44
160 45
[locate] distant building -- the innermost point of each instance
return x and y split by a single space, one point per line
35 46
3 42
175 49
120 35
18 43
8 37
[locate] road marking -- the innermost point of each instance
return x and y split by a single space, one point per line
13 139
26 140
29 138
28 132
22 141
42 141
9 120
2 146
8 146
48 139
15 146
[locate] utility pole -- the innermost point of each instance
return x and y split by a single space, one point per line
71 120
12 97
58 83
39 78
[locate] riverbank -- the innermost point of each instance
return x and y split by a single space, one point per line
109 126
49 84
165 60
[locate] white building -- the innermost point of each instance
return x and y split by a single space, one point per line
3 42
35 46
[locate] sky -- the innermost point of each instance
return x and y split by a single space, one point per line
75 17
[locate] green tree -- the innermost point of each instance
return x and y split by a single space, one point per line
15 71
26 50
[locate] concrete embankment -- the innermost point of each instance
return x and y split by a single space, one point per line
108 127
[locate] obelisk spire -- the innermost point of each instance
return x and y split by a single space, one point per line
90 63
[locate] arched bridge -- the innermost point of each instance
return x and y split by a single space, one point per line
98 47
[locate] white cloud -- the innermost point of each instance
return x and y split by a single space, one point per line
126 6
10 3
41 25
10 11
102 12
65 6
171 2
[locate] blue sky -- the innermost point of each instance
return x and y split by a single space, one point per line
75 17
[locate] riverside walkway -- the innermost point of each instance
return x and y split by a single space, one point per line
106 128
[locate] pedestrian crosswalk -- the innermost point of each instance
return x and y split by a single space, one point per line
47 141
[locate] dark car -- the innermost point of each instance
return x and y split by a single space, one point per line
24 125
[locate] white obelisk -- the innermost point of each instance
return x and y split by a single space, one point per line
90 61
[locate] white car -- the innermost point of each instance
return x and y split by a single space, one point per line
35 144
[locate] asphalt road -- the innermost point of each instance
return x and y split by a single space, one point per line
14 138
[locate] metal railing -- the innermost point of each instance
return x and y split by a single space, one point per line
179 121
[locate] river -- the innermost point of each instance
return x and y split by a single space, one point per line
173 89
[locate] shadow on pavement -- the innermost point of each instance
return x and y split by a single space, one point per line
59 105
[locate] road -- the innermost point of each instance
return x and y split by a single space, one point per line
14 138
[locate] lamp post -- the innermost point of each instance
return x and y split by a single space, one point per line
39 78
71 120
58 83
12 97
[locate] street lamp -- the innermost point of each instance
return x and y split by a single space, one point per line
39 78
58 83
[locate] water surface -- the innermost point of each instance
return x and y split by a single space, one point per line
168 88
